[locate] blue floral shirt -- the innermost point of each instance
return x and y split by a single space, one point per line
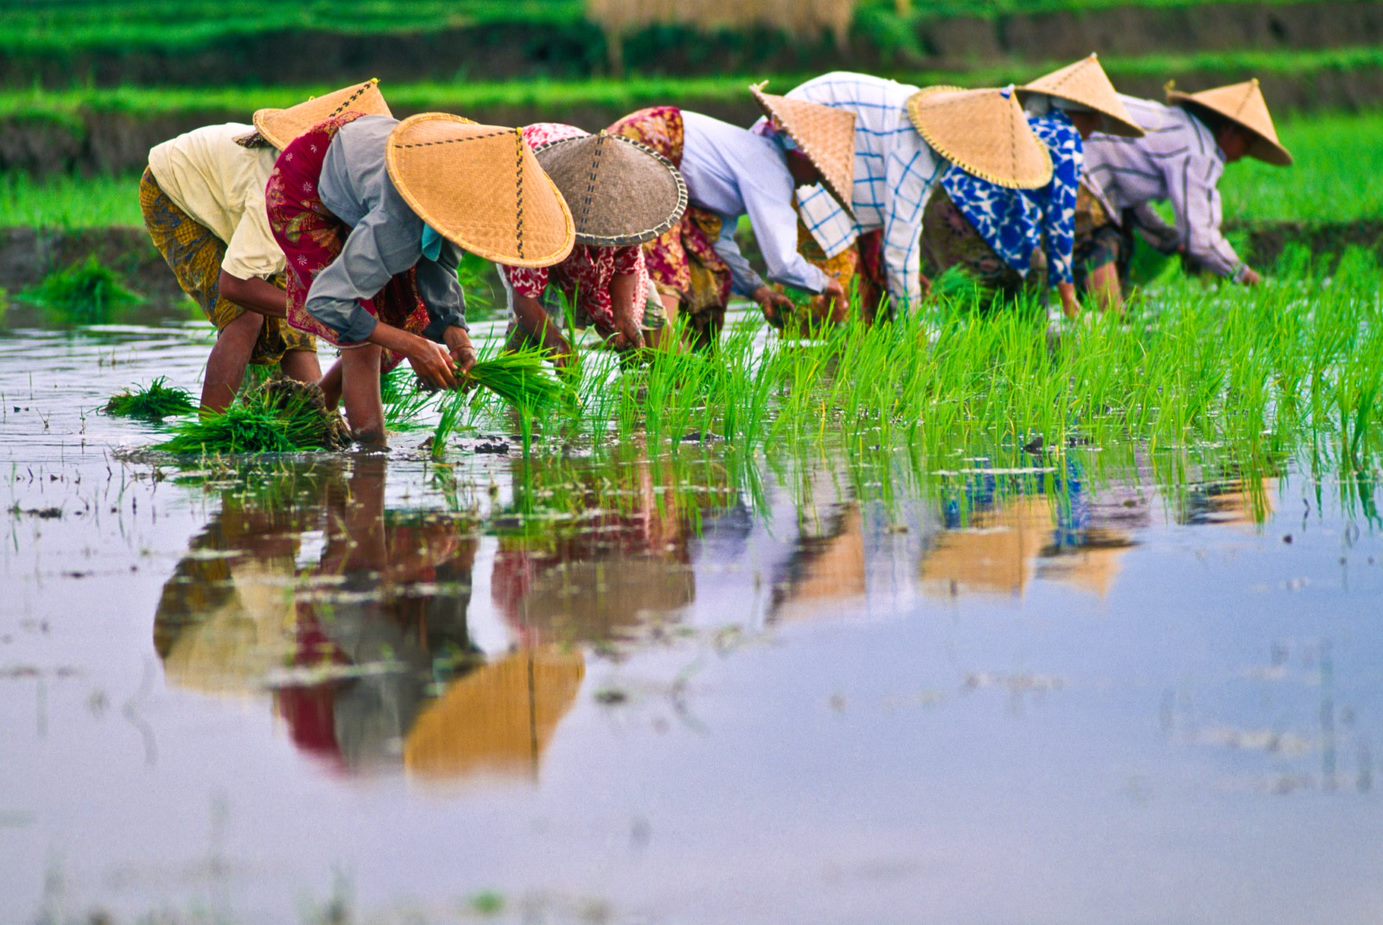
1014 221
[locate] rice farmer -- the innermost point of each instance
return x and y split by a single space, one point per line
371 212
202 196
622 195
999 234
905 140
731 172
1180 159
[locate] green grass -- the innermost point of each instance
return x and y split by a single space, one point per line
170 24
84 293
152 403
68 203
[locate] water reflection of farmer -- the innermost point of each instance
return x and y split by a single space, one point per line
599 577
382 617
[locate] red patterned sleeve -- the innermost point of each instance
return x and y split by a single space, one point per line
527 281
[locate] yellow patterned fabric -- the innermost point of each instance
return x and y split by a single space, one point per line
194 255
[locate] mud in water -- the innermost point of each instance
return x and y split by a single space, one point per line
622 686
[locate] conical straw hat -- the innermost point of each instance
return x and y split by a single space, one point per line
480 187
825 135
1242 103
280 127
620 192
1086 83
984 133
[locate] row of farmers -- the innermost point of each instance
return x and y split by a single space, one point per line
332 219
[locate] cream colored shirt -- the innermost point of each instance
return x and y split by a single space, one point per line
221 185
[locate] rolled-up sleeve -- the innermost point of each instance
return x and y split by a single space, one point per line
1193 187
440 288
386 242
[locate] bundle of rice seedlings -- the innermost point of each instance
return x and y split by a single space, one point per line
153 402
84 293
961 288
280 416
521 378
405 399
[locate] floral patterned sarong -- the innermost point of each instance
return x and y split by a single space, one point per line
682 261
194 254
312 237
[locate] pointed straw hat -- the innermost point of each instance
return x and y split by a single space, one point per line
1086 83
480 187
984 133
280 127
620 192
825 135
1243 104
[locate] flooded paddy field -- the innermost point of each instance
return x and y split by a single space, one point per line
678 680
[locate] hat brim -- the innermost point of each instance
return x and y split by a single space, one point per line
1111 123
1033 176
1261 147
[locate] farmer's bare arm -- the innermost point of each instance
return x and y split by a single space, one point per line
430 360
528 312
255 294
624 291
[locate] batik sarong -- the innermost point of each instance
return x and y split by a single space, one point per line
195 254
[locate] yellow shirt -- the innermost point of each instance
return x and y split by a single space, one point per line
221 185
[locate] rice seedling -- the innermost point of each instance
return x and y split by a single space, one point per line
84 293
281 416
521 379
153 402
404 398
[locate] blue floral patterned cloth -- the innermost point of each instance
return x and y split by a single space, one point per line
1013 222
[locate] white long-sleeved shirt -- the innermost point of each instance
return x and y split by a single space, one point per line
732 172
1177 160
895 174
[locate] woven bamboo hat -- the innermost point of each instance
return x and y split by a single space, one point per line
1243 104
280 127
1086 83
480 187
984 133
825 135
620 192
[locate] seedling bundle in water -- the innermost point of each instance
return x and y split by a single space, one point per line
521 379
153 402
280 416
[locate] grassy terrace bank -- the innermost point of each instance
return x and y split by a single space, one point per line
167 42
109 130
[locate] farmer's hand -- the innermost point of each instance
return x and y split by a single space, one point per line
834 294
1250 277
773 303
458 341
628 335
432 362
925 285
1070 305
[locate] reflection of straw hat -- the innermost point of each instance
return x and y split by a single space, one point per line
497 719
1086 83
620 192
984 133
1243 104
825 135
280 127
480 187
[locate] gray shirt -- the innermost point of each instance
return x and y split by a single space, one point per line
1177 160
732 172
385 240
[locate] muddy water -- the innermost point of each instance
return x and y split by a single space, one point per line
640 690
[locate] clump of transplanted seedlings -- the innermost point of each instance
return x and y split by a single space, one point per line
84 293
280 416
405 399
152 402
521 379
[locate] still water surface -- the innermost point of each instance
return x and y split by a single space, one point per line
631 690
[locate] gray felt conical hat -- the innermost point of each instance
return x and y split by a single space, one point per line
619 191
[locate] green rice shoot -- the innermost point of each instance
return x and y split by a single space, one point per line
152 403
